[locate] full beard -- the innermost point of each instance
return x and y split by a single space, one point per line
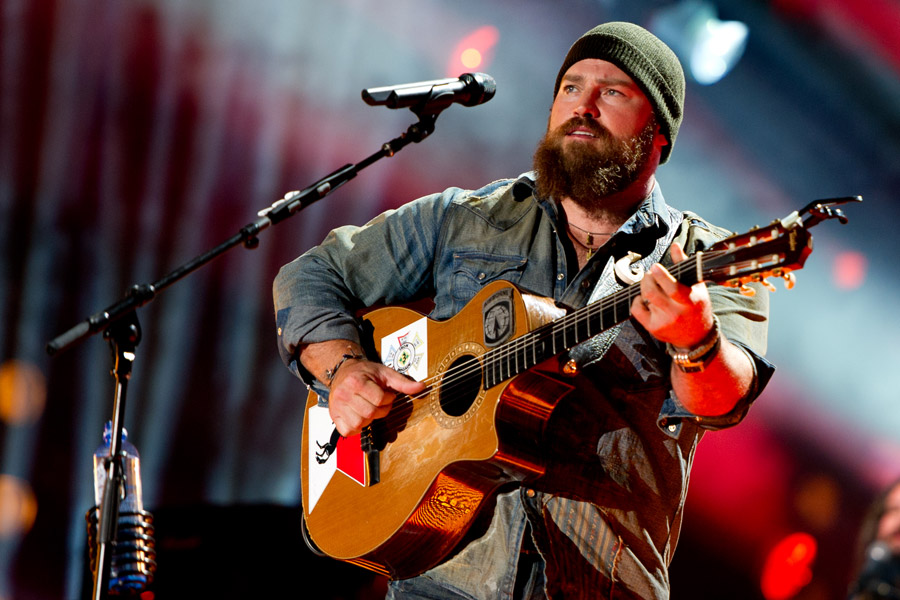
587 172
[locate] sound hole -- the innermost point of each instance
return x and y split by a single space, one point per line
460 386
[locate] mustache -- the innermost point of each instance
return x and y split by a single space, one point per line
591 125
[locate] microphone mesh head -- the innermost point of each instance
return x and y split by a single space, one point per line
481 87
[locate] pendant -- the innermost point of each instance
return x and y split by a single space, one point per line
590 240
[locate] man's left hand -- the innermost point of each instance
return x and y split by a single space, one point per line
671 311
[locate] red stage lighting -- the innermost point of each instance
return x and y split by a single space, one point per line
788 568
474 52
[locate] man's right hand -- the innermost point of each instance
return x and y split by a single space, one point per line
361 390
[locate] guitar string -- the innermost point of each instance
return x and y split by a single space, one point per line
453 378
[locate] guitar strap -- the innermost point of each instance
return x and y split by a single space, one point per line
609 284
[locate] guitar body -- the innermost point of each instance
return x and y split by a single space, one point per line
404 506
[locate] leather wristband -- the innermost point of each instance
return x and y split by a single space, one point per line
697 358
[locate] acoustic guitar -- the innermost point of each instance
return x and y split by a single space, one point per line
399 497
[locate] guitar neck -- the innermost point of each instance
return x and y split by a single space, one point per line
563 334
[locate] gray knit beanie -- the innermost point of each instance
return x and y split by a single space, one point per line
647 60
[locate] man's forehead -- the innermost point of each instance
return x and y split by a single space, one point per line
596 68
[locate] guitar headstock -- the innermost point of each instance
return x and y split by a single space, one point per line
776 250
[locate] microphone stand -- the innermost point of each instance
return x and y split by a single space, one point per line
124 334
120 326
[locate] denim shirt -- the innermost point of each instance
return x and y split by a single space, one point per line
606 516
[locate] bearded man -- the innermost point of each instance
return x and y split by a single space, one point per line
602 516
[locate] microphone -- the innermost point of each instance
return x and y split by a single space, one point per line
880 576
469 89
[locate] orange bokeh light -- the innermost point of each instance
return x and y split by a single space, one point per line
18 506
23 392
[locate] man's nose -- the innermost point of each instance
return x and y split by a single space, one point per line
587 106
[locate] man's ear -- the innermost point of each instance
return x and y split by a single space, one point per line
660 140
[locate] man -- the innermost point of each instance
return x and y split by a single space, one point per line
604 519
878 549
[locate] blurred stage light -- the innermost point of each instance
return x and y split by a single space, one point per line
474 51
788 568
18 507
850 270
23 392
708 47
817 500
471 58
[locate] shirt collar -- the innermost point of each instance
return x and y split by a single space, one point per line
652 212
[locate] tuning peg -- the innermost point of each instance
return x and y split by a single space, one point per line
765 283
790 280
747 290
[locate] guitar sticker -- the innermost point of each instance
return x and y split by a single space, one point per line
330 453
406 350
498 317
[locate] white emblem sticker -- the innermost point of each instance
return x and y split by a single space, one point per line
406 350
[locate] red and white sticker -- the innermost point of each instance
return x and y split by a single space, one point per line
330 453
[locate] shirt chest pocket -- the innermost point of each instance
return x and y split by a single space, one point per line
473 270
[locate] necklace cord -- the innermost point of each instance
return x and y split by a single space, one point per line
589 245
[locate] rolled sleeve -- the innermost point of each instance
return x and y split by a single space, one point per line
744 322
317 296
672 412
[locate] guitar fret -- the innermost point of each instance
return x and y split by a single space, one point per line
582 330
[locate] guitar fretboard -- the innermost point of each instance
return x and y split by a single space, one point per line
522 353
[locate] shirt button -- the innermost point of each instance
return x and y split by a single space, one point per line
561 276
586 284
481 276
530 493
